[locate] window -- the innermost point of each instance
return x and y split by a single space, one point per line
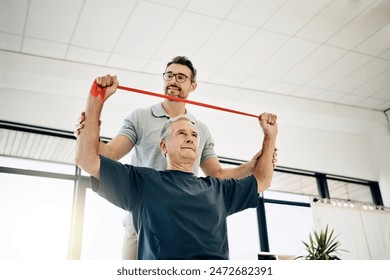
35 216
349 191
288 182
103 229
288 213
243 234
287 226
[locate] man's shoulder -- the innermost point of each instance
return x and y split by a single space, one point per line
143 110
143 114
156 111
111 163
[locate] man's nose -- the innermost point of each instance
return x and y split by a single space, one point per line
174 81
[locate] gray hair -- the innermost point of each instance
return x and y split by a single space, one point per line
167 128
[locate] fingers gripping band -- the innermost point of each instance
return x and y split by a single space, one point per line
97 91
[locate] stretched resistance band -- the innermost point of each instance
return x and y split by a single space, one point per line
98 91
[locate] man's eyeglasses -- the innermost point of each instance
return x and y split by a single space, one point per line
180 78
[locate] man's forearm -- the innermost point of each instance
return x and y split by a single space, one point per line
87 148
212 167
240 171
264 167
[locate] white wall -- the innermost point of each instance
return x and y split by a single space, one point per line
313 135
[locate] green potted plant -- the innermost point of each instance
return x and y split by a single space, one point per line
322 246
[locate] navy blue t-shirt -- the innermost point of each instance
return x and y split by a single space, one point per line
177 215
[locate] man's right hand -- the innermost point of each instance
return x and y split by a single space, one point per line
109 83
80 124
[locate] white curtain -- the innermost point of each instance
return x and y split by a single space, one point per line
363 233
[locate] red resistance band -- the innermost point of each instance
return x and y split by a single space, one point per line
97 91
100 92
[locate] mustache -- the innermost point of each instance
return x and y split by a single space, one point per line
173 87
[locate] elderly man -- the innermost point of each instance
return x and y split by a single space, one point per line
174 204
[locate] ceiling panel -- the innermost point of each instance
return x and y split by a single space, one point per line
257 83
383 93
375 85
332 19
44 48
97 30
218 9
186 40
374 103
87 55
146 29
294 15
377 43
287 57
282 87
339 70
330 96
228 78
122 61
259 47
374 18
254 12
362 75
13 16
223 43
386 55
330 50
10 42
52 20
306 92
312 65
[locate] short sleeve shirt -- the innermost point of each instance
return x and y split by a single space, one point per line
180 216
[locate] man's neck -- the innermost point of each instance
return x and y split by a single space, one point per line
183 166
174 108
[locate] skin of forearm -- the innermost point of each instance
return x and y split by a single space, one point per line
87 147
235 172
264 168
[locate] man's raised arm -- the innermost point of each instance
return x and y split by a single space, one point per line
87 148
265 165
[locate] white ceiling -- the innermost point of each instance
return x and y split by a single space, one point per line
335 51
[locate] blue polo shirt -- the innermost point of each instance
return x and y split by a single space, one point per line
179 215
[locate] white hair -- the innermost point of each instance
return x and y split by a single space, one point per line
167 128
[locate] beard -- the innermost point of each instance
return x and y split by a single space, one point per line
173 91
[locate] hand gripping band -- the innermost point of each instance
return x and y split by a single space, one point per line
97 91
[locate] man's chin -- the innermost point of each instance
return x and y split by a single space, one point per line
189 154
174 94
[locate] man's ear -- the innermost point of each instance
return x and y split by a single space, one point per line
163 148
193 86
